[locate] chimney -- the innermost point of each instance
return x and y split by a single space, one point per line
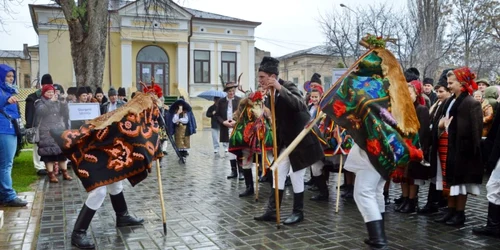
25 50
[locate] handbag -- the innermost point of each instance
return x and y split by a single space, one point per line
32 134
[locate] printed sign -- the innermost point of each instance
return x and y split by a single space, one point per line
83 111
145 70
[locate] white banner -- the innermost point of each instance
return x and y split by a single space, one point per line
83 111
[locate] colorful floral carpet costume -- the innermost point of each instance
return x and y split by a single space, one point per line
115 146
371 101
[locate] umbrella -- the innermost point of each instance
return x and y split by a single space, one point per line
210 94
185 106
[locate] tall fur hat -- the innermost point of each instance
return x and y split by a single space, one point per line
81 90
269 65
412 74
316 78
121 91
99 91
46 79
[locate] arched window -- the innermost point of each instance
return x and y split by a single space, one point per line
152 61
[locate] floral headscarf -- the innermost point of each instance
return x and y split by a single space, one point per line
417 86
466 77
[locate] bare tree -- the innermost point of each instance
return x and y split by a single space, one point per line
7 10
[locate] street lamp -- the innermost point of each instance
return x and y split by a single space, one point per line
358 36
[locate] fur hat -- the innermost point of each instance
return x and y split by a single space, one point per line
81 90
269 65
112 92
428 81
412 74
316 78
59 87
89 90
99 91
46 79
121 91
443 79
72 90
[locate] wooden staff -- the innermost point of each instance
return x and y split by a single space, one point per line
297 140
275 154
338 185
162 202
256 178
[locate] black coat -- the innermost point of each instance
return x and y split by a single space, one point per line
221 116
29 110
292 116
213 120
435 116
415 169
464 163
50 115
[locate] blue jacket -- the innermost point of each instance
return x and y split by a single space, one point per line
6 126
190 128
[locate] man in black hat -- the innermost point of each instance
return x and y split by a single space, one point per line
291 117
99 95
428 87
122 94
29 115
113 103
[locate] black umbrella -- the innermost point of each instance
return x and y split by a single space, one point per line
185 106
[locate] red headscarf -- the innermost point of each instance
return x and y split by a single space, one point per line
47 87
466 77
417 85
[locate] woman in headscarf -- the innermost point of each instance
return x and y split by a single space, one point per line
463 121
487 112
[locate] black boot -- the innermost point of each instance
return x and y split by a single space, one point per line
492 227
399 201
376 235
432 201
450 212
401 205
409 207
349 192
310 181
288 181
298 210
234 172
323 189
240 172
79 236
387 200
123 218
457 220
368 241
270 214
247 173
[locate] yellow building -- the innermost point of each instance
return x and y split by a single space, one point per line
188 50
24 62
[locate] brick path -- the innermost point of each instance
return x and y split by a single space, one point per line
205 212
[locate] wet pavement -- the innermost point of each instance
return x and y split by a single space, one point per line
205 212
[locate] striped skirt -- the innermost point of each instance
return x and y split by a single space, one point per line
443 154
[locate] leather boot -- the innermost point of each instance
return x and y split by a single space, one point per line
409 207
79 236
402 204
376 235
234 172
457 219
349 192
323 189
492 227
310 181
241 176
298 210
432 202
247 173
52 177
450 212
270 213
387 200
368 241
123 218
66 176
399 200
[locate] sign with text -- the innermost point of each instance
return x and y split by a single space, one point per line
83 111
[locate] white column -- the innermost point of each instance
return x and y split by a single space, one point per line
126 64
251 65
44 55
238 64
214 76
182 65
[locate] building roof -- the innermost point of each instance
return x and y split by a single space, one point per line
12 54
320 50
208 15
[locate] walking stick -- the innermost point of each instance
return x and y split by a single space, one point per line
160 187
256 178
338 185
275 154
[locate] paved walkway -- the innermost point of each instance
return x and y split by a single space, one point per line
205 212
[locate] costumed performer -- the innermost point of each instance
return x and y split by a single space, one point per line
118 145
291 117
181 124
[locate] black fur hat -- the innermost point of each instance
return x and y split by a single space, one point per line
121 91
443 79
269 65
412 74
316 78
81 90
428 81
46 79
89 90
99 91
72 90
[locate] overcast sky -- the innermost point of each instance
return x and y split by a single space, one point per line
287 25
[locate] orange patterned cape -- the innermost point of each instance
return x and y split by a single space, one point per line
117 145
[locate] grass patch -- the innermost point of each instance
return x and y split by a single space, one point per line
28 146
23 172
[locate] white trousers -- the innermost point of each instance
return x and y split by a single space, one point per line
215 139
493 186
297 178
368 186
317 168
39 165
96 197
